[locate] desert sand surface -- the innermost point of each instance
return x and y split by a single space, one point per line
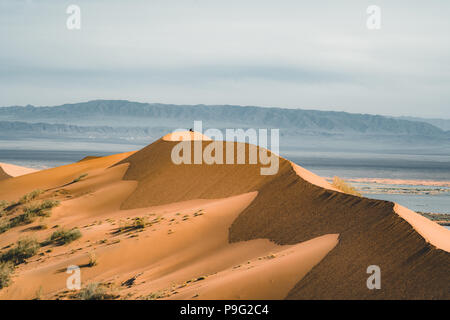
160 230
10 170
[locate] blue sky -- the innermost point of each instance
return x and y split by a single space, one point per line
294 54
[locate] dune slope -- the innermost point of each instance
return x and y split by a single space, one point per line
221 231
290 210
3 174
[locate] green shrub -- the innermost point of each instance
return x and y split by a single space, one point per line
25 248
62 236
6 268
30 212
340 184
42 209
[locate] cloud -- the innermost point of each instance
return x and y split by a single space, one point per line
289 54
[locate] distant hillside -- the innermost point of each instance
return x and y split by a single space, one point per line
113 112
126 122
443 124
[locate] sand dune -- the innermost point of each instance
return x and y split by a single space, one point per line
10 170
222 232
3 174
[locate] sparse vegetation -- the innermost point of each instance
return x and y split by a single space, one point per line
95 291
80 177
25 248
155 295
92 259
31 212
3 205
345 187
6 269
30 196
63 236
135 224
4 226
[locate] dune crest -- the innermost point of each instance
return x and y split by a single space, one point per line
431 231
312 177
16 171
185 136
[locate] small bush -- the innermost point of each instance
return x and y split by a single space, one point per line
42 209
4 226
92 259
95 291
6 268
30 212
3 205
25 248
30 196
81 176
156 295
340 184
62 236
136 223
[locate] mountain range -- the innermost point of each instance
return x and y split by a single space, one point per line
122 121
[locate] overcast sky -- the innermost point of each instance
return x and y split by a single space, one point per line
295 54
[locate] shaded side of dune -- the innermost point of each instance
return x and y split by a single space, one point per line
3 174
290 210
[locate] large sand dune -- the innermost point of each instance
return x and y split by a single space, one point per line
222 232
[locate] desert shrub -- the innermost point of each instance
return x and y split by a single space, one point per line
4 226
30 212
30 196
156 295
95 291
3 205
345 187
62 236
42 209
92 259
81 176
6 268
24 249
136 223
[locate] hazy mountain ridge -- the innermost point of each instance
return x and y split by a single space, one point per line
112 113
443 124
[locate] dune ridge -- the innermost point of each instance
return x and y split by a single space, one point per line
10 170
